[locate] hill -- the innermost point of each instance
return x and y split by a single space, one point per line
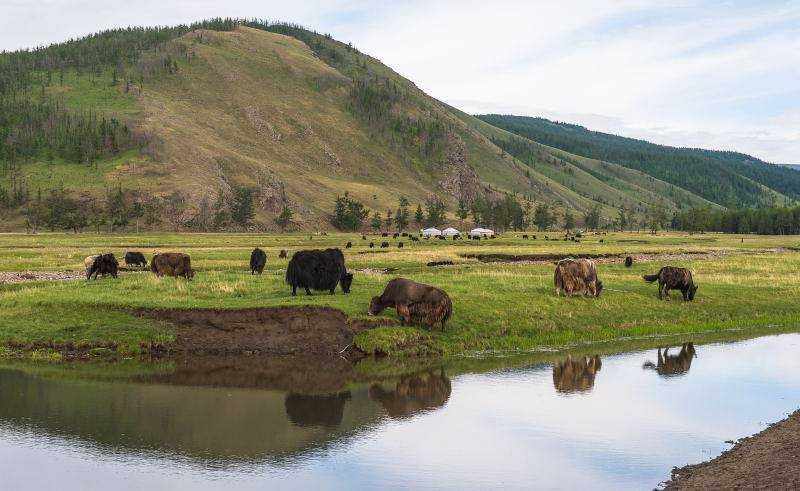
725 178
185 126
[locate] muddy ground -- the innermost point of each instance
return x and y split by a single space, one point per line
302 330
767 460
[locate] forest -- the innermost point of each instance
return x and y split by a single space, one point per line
727 178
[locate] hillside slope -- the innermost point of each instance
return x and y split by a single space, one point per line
725 178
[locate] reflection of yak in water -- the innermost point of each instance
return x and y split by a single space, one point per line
413 393
576 375
669 365
316 410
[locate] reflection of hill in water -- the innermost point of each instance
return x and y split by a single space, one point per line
221 409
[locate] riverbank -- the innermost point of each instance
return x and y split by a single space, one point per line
767 460
745 283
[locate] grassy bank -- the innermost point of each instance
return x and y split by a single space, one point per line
748 283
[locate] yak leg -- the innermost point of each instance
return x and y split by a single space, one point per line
333 290
308 292
294 290
403 313
660 288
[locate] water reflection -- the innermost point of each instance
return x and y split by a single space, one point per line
576 375
413 393
316 410
672 365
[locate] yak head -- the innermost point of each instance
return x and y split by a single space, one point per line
375 306
346 280
692 291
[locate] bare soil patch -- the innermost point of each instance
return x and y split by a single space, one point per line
767 460
302 330
8 278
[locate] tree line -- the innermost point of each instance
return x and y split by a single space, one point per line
765 221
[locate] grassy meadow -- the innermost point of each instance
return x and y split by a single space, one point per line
749 282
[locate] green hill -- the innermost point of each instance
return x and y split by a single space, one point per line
175 122
725 178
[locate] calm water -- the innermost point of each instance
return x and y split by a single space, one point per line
602 422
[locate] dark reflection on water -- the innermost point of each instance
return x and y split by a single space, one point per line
671 365
256 423
576 375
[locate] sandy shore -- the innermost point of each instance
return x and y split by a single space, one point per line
766 460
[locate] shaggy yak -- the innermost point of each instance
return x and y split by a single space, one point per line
577 276
318 270
628 262
576 375
104 264
672 278
258 259
669 365
415 303
283 254
135 259
172 264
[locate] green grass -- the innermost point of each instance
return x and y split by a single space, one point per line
498 307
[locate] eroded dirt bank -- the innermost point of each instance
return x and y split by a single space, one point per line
766 460
302 330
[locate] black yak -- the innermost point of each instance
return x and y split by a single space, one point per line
258 259
318 270
672 278
372 245
577 276
399 245
670 365
363 237
283 254
524 236
395 235
348 245
133 258
384 234
172 264
414 239
628 262
414 303
384 245
103 264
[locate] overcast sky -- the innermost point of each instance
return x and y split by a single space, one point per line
722 74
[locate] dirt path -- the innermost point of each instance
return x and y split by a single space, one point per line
767 460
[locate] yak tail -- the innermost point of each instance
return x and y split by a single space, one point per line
650 277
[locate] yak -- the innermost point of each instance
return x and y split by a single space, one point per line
318 270
672 278
103 264
172 264
628 262
283 254
577 276
133 258
524 236
414 239
669 365
372 245
399 245
384 245
414 302
258 259
348 245
576 375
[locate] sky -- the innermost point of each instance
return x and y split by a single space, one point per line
716 74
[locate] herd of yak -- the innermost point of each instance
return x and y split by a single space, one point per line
415 303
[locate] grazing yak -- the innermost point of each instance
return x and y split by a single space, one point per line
384 234
103 264
670 365
395 235
413 394
318 270
577 276
172 264
399 245
414 239
384 245
316 410
283 254
628 262
672 278
372 245
524 236
348 245
258 259
133 258
363 237
576 375
414 302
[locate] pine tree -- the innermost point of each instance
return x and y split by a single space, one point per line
285 218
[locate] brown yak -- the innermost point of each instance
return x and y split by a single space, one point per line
414 302
172 264
672 278
576 375
670 365
577 276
